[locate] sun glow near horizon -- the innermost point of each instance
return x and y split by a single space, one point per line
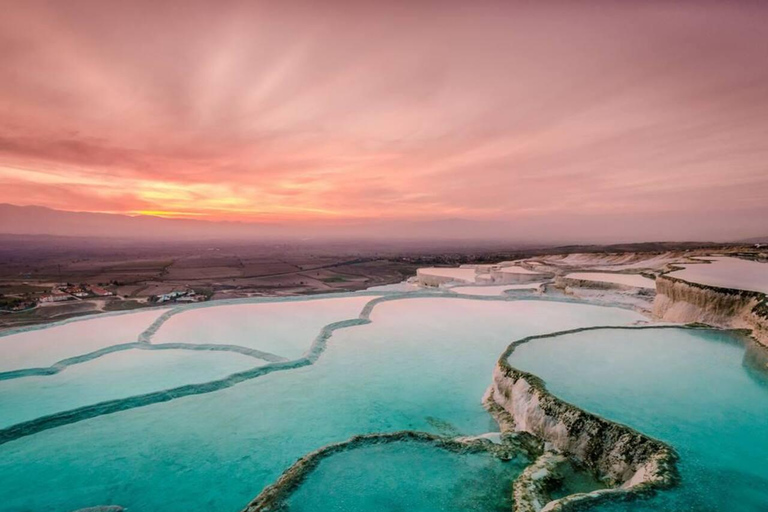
267 113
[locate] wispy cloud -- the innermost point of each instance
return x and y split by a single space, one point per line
418 111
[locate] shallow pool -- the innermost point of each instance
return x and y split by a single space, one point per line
421 364
490 290
698 390
286 328
41 347
408 476
727 273
117 375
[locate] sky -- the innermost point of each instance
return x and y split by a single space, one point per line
587 119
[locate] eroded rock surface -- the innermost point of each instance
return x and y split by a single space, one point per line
622 457
680 301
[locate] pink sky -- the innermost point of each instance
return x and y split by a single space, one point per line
521 112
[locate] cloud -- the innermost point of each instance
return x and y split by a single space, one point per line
418 111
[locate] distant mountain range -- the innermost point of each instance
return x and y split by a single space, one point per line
560 230
39 220
755 240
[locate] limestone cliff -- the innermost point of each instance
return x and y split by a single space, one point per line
273 497
424 278
682 301
627 460
565 282
618 453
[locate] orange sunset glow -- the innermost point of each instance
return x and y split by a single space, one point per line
510 112
383 255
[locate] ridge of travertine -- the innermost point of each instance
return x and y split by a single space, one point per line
536 424
273 497
630 462
683 301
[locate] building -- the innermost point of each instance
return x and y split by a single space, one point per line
55 296
101 292
177 296
166 297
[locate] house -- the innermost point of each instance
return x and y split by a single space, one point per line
170 296
55 296
101 292
177 296
191 296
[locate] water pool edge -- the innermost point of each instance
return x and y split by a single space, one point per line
634 464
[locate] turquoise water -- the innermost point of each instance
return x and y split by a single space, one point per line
116 375
411 477
270 327
422 364
44 347
575 478
697 390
